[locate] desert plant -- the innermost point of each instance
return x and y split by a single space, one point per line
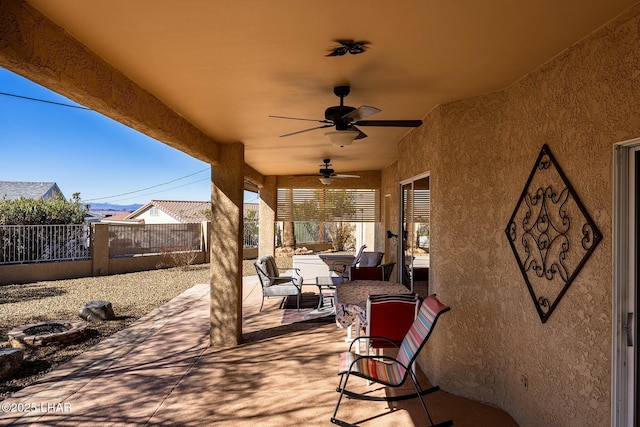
181 257
342 235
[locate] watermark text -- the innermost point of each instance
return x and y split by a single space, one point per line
40 407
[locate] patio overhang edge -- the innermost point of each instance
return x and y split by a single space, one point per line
36 48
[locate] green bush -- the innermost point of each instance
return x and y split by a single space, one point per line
42 212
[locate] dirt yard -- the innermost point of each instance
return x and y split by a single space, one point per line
132 296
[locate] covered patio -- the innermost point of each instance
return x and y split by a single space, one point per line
162 371
495 84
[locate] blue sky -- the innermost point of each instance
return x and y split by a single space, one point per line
83 151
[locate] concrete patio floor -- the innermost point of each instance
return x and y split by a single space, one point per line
161 371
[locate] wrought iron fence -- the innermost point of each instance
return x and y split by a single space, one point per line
40 243
251 230
312 232
136 239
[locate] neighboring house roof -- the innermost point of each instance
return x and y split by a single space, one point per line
183 211
121 217
29 190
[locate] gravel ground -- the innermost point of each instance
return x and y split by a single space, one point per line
132 296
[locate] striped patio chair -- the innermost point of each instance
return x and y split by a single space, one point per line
389 371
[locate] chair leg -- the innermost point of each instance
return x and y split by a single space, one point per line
299 295
419 392
262 303
341 388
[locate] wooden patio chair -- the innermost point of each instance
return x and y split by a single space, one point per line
390 371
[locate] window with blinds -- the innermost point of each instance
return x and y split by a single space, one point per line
328 205
421 205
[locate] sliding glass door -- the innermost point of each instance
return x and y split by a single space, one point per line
626 289
415 237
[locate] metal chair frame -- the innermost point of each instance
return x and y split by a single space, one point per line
422 327
278 286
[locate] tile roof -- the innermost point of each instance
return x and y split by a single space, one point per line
184 211
29 190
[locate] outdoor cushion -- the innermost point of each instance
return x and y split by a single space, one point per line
268 265
275 285
370 259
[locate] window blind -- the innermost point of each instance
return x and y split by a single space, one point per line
328 205
421 205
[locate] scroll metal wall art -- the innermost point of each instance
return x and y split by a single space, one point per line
551 234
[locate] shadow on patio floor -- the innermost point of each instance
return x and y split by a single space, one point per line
161 371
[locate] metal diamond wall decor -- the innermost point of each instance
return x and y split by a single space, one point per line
551 234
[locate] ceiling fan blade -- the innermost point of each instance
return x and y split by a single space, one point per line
360 113
344 176
390 123
360 133
306 130
298 118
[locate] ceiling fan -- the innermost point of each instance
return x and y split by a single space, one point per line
345 119
327 174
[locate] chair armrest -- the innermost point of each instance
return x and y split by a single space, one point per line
295 270
381 357
285 279
378 337
281 279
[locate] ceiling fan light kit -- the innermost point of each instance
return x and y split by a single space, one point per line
341 138
326 180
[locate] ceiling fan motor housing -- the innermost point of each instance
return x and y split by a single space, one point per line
335 114
326 172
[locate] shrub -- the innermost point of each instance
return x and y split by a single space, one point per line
177 257
42 212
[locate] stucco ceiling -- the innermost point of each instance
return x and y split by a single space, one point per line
227 65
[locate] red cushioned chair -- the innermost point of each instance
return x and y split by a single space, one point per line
366 273
389 316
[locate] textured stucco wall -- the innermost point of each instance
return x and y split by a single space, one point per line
480 152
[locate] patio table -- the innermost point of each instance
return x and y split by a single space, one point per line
335 261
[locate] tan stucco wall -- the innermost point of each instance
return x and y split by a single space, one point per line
26 273
389 193
480 152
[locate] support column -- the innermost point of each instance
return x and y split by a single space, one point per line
267 217
227 191
100 249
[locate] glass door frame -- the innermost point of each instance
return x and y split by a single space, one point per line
626 239
404 234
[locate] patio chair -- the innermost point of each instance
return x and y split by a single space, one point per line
390 371
342 269
389 316
275 285
379 272
362 259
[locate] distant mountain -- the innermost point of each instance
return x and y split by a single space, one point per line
111 207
